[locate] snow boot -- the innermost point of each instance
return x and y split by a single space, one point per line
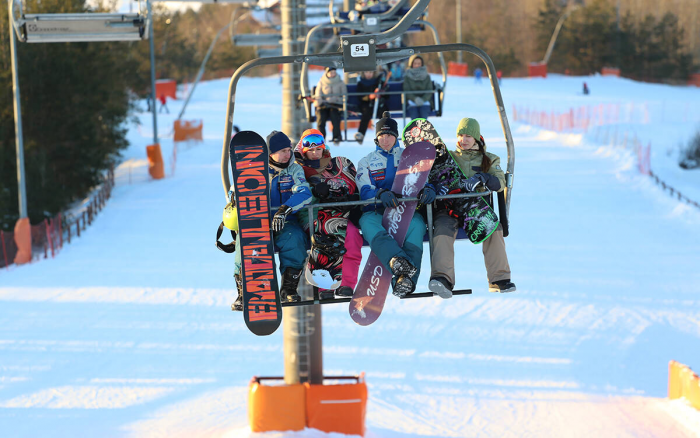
344 291
237 305
359 137
403 286
400 266
502 286
440 286
290 282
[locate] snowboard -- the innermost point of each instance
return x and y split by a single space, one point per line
324 268
475 215
251 186
371 290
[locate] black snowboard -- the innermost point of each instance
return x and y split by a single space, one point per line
251 185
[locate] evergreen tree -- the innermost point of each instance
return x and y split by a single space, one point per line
75 100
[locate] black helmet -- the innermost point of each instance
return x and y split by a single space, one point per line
387 125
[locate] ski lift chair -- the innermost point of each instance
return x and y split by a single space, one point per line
353 64
77 27
395 92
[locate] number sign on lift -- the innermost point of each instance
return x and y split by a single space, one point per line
359 50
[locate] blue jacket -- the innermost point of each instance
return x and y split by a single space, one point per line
289 187
377 171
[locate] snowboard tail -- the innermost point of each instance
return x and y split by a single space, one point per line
262 311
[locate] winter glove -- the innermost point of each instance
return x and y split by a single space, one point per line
387 198
441 189
279 217
320 190
418 101
473 182
426 195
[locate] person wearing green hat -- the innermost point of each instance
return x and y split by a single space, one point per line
483 171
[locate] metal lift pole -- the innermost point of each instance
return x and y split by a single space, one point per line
303 342
153 71
19 139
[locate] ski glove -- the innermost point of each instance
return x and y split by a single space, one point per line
279 217
426 195
320 190
441 189
473 182
387 198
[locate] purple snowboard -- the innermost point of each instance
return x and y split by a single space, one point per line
370 294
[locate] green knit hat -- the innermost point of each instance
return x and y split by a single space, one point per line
469 127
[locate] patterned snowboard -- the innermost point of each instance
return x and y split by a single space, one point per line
261 301
371 291
475 215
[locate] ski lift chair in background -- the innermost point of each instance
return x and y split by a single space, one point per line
373 58
394 94
78 27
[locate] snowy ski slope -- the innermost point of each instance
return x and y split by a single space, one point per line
128 332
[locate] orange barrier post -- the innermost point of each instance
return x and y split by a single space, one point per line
537 69
337 408
457 68
167 88
23 239
155 161
276 408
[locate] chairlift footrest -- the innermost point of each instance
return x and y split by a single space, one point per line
431 294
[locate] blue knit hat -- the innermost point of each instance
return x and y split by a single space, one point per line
276 141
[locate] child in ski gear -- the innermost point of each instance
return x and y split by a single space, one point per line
332 180
483 171
329 102
375 176
369 82
417 85
289 192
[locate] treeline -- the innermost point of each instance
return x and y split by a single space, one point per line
654 41
649 48
77 98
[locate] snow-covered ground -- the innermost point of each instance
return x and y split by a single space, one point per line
128 331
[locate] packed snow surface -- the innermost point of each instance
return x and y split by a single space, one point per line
128 330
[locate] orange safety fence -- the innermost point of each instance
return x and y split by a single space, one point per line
167 88
49 236
537 69
187 130
694 79
683 383
457 68
610 71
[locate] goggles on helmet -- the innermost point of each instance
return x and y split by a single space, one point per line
313 141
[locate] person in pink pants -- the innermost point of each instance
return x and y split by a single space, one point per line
332 179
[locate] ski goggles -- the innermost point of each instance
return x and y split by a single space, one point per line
312 141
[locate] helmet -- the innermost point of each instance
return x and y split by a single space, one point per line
230 217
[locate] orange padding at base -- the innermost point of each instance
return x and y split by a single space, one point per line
23 239
457 68
155 161
187 130
167 88
694 79
535 69
276 408
337 408
683 382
